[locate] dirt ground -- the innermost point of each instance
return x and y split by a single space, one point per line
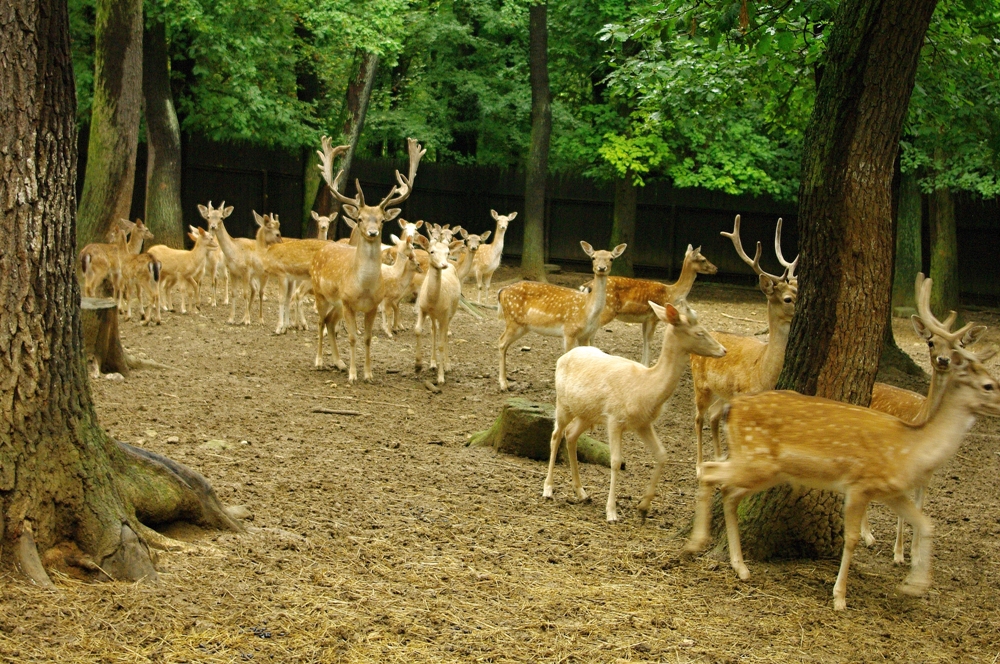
381 537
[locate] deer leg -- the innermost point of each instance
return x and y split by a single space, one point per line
866 530
655 448
648 332
854 510
369 329
479 286
383 309
557 434
443 364
333 322
509 336
703 509
898 555
731 497
226 300
573 431
714 419
489 280
615 443
260 300
418 329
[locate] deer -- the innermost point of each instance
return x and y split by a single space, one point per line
437 303
627 297
289 262
751 365
467 253
100 261
216 268
530 306
141 276
488 257
397 279
592 387
347 280
783 436
303 286
244 257
185 267
915 408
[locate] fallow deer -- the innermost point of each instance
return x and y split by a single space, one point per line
750 365
183 267
348 280
593 387
556 311
437 303
141 277
488 257
100 261
397 279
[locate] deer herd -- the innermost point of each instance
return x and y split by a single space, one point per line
883 453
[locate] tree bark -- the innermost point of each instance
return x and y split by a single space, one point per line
312 180
623 224
944 251
533 249
62 479
164 216
845 225
908 251
114 119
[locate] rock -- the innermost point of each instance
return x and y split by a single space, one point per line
524 428
240 512
173 440
215 444
114 376
150 433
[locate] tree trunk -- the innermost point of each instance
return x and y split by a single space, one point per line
623 224
845 226
312 180
533 249
908 251
359 94
944 251
164 216
114 119
62 480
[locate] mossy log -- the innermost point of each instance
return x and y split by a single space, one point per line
99 318
524 428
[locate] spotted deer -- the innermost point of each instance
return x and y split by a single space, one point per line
750 365
488 257
594 387
347 280
555 311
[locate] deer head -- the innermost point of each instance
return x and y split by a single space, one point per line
701 264
781 291
142 230
692 337
214 216
940 338
322 224
368 219
502 220
602 259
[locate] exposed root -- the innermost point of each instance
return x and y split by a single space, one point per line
28 561
160 541
131 561
144 363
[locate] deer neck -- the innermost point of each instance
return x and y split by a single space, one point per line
660 380
596 300
685 281
939 381
322 233
434 283
135 242
774 352
226 244
464 265
939 437
497 244
261 239
368 262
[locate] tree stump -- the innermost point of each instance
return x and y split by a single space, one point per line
101 342
524 428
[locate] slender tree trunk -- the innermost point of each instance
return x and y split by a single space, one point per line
359 94
623 224
944 251
533 249
311 183
114 119
164 216
908 251
845 226
62 480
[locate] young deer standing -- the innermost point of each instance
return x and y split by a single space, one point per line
184 267
593 387
397 278
750 365
100 261
628 298
488 257
438 302
141 277
347 280
244 257
783 436
555 311
467 253
289 262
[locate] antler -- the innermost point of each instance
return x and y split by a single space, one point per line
402 191
738 244
789 267
326 157
923 288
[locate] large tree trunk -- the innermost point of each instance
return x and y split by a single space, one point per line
62 480
164 216
533 249
908 250
114 119
623 224
845 226
944 251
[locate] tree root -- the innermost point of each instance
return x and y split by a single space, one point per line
30 564
131 560
144 363
158 540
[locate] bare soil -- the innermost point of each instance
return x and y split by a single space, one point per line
381 537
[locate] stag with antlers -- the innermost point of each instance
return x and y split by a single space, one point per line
347 280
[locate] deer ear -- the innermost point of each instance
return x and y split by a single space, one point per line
495 215
393 238
259 219
419 224
766 284
920 328
194 238
587 249
315 215
350 222
619 250
482 238
973 335
392 213
455 245
689 249
351 211
194 229
464 233
402 223
203 211
510 217
698 249
421 241
228 211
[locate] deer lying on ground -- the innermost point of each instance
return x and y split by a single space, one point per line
783 436
488 257
593 387
750 365
183 267
244 257
100 261
556 311
628 298
347 280
915 408
437 303
141 277
397 278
